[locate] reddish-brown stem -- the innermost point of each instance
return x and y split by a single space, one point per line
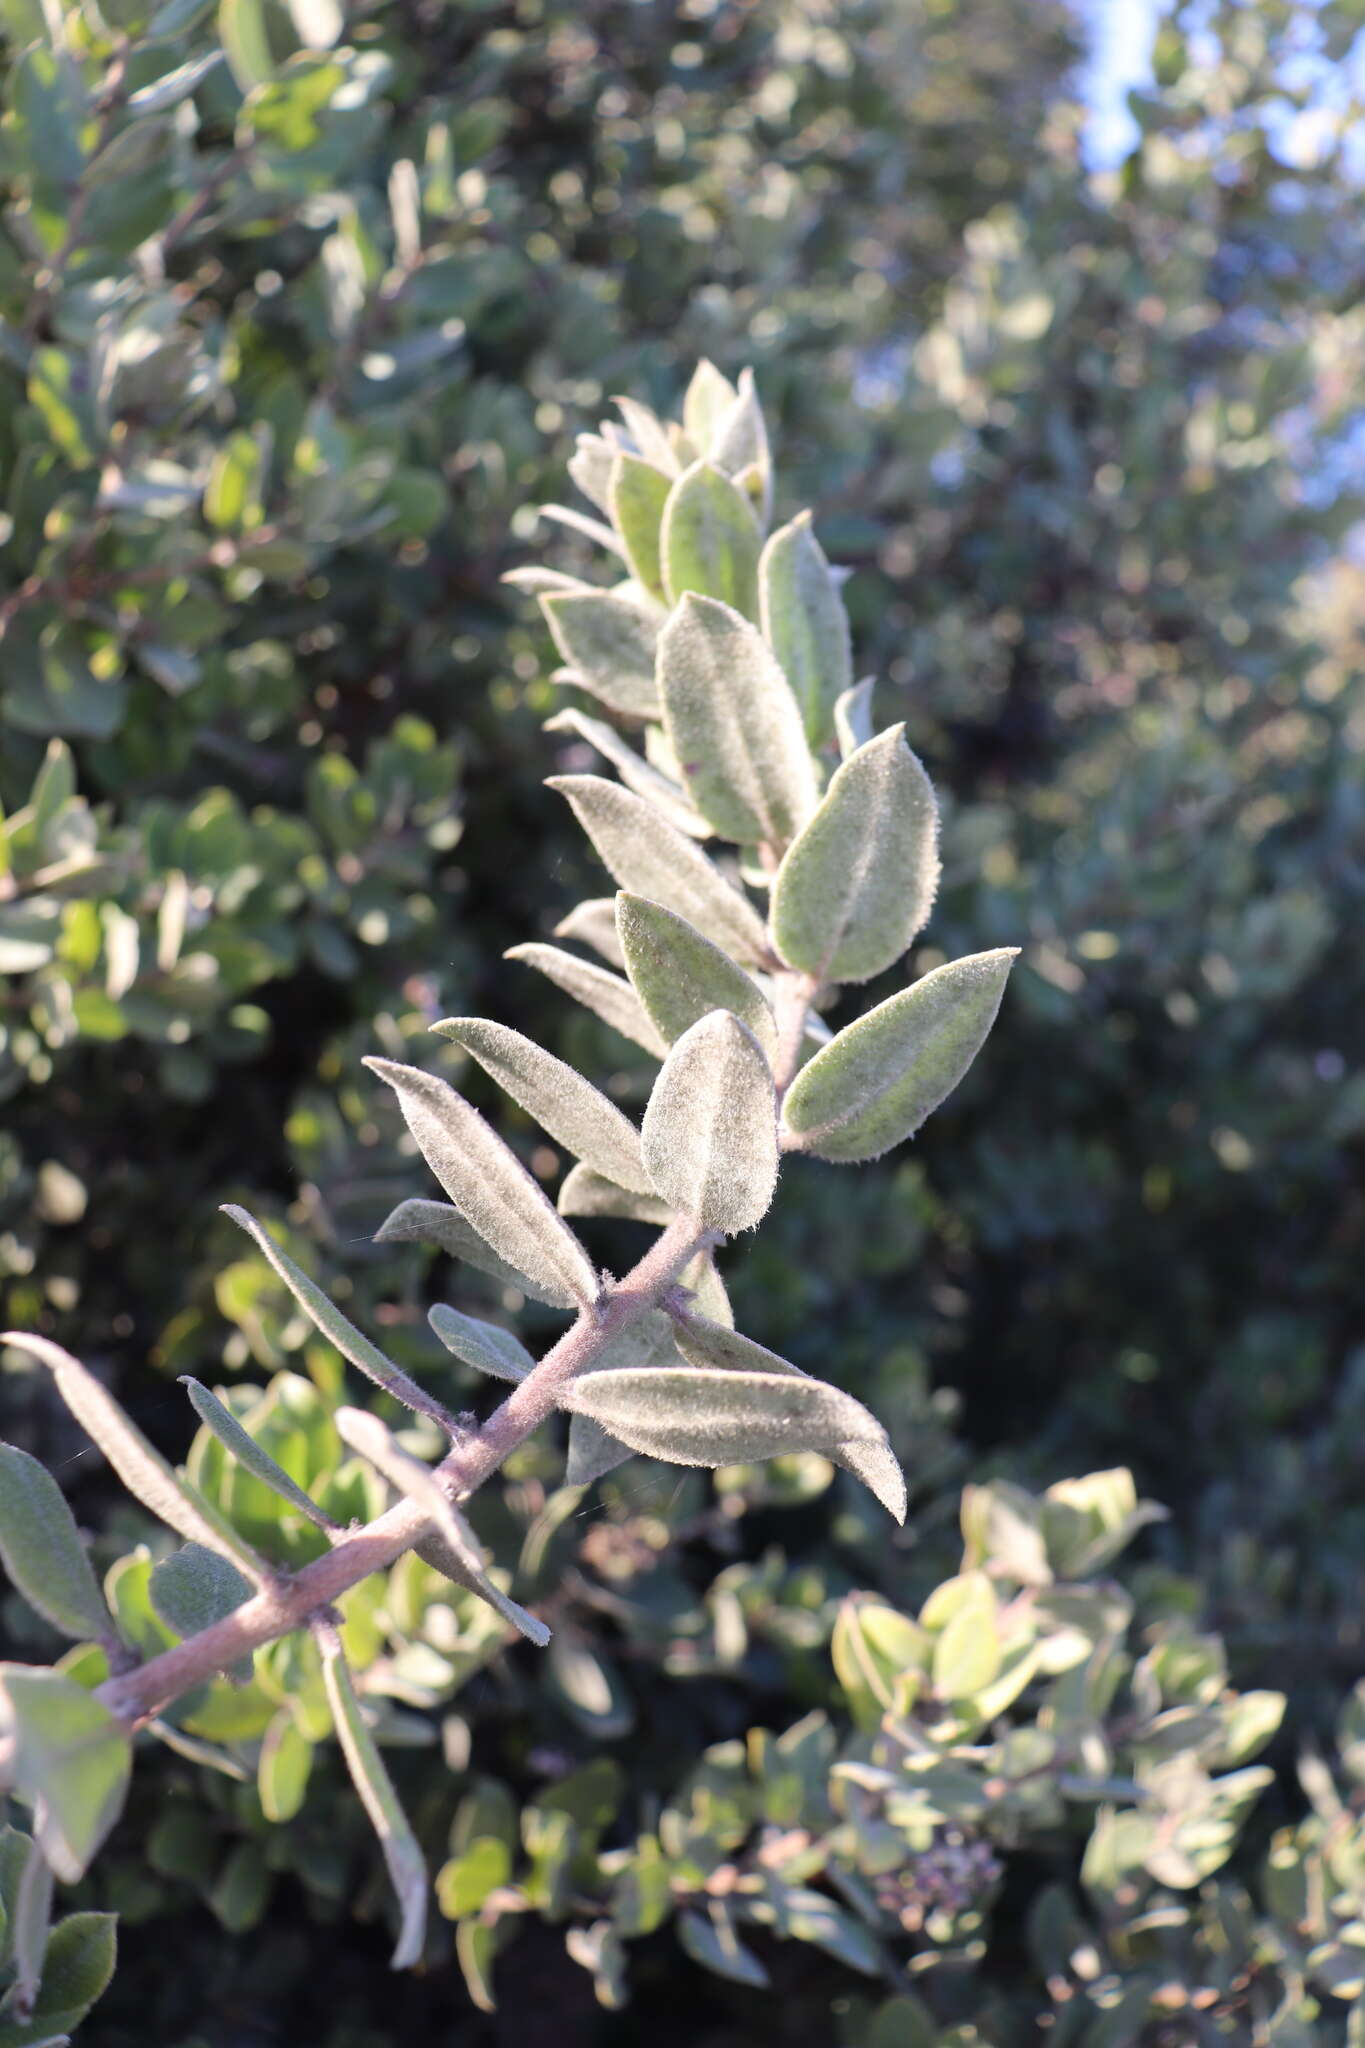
280 1608
793 994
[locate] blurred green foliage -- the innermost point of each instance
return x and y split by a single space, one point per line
289 340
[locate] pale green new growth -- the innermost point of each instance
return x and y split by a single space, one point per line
859 882
645 854
609 643
407 1866
734 725
709 540
710 1131
42 1549
244 1448
337 1328
488 1183
568 1108
880 1078
709 397
805 623
679 976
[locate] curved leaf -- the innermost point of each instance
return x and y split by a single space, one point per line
68 1758
609 643
248 1453
709 540
689 1415
422 1222
605 994
680 977
42 1550
486 1346
805 623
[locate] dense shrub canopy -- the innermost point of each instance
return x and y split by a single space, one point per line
298 323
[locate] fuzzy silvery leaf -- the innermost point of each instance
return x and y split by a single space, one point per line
537 581
859 881
143 1470
489 1185
585 1193
592 1452
433 1550
65 1756
690 1415
650 1342
422 1222
574 1113
486 1346
644 854
590 466
739 446
706 1343
194 1587
805 624
337 1328
638 493
882 1076
606 995
579 522
709 541
710 1130
709 398
680 977
248 1453
42 1550
609 643
734 725
407 1870
853 726
649 434
593 923
641 776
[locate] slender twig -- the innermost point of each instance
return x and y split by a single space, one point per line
793 994
109 106
279 1609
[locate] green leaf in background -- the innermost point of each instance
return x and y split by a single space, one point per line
592 1452
337 1328
712 1942
646 855
242 31
873 1648
637 495
42 1549
407 1870
710 1130
248 1453
700 1416
609 643
285 1765
486 1346
25 1915
882 1076
600 991
65 1756
465 1882
194 1587
680 977
143 1470
859 881
709 540
734 725
422 1222
488 1184
77 1967
805 624
574 1113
